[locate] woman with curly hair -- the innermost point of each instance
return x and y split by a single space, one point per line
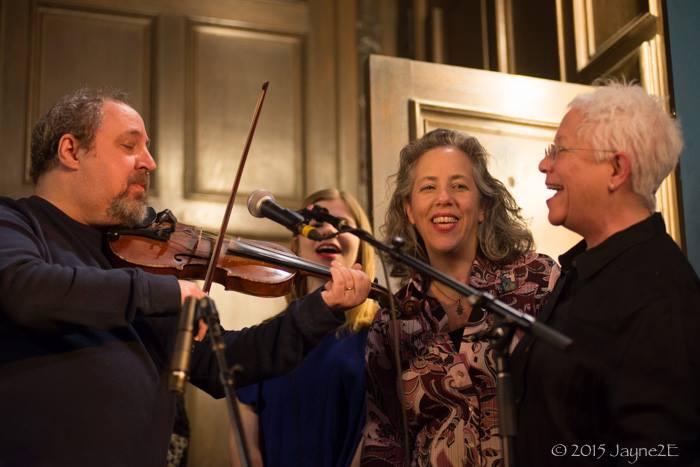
454 215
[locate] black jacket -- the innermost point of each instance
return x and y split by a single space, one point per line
630 385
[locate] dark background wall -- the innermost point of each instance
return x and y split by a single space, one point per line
683 20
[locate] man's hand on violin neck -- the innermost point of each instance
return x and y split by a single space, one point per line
347 288
190 289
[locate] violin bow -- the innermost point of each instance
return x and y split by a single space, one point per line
209 277
227 375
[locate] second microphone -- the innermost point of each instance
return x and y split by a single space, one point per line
261 203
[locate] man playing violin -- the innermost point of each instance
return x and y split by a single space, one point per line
85 346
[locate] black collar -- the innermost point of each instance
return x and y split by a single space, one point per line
589 262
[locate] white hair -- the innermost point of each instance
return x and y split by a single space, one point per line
623 117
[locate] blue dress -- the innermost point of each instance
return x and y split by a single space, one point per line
314 415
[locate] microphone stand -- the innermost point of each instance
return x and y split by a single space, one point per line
500 335
476 297
193 310
209 313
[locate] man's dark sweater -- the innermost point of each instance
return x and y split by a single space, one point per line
84 348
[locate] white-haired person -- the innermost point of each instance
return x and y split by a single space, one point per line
628 390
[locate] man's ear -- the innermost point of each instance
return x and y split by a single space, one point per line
68 147
621 172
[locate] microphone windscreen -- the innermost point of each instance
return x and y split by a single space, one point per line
255 201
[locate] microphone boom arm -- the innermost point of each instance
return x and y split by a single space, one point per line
476 297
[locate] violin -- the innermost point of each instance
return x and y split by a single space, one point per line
162 245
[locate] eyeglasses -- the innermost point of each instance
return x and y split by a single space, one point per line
552 151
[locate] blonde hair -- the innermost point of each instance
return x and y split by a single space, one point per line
362 315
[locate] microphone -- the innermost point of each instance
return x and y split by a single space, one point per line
180 360
321 214
261 203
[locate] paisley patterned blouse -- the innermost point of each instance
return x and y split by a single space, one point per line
450 393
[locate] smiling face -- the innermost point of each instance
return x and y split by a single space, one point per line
579 181
444 205
114 172
343 248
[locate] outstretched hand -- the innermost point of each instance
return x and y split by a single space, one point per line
347 288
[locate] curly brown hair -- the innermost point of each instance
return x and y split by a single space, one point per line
503 235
